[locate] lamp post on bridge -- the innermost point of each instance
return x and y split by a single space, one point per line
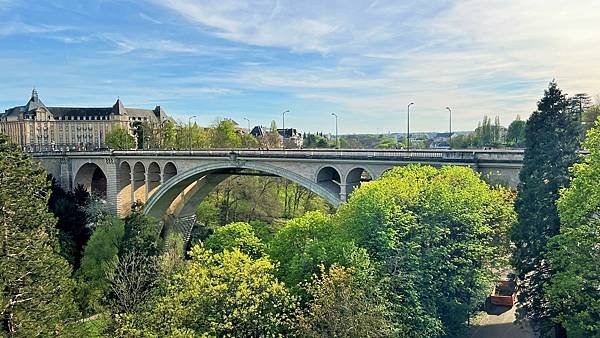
450 133
408 125
283 127
337 143
283 116
190 131
247 120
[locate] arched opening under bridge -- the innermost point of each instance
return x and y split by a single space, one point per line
180 195
92 178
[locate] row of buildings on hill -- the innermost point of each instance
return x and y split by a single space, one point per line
37 127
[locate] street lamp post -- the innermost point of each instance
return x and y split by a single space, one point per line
450 134
283 128
245 118
190 131
337 142
283 115
408 125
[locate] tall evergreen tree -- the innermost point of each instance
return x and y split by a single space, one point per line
69 209
37 293
551 141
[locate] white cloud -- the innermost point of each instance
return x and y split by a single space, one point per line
127 45
300 26
483 57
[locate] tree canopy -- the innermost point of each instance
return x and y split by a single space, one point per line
437 233
309 241
515 135
119 138
239 235
226 294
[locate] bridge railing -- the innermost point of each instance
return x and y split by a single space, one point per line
384 154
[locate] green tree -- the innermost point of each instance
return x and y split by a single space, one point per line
237 235
168 135
207 214
551 141
387 143
171 260
590 115
192 137
438 234
99 260
464 141
574 254
488 134
225 135
515 136
579 103
141 235
248 141
312 240
37 292
225 294
119 138
344 305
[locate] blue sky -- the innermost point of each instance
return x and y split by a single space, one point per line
364 60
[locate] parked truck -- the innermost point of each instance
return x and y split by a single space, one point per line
504 292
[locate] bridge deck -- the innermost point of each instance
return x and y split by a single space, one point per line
459 155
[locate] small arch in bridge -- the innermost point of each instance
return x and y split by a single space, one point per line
153 177
139 180
356 177
169 171
329 178
92 178
124 181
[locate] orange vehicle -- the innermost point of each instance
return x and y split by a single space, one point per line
504 293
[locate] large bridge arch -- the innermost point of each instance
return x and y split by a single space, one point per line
208 177
92 178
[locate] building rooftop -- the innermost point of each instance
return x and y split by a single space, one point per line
118 108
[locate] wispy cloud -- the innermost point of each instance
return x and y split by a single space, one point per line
16 27
150 19
126 45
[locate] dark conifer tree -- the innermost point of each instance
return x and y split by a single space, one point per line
69 209
551 143
36 298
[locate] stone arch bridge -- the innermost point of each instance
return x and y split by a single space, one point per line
173 183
